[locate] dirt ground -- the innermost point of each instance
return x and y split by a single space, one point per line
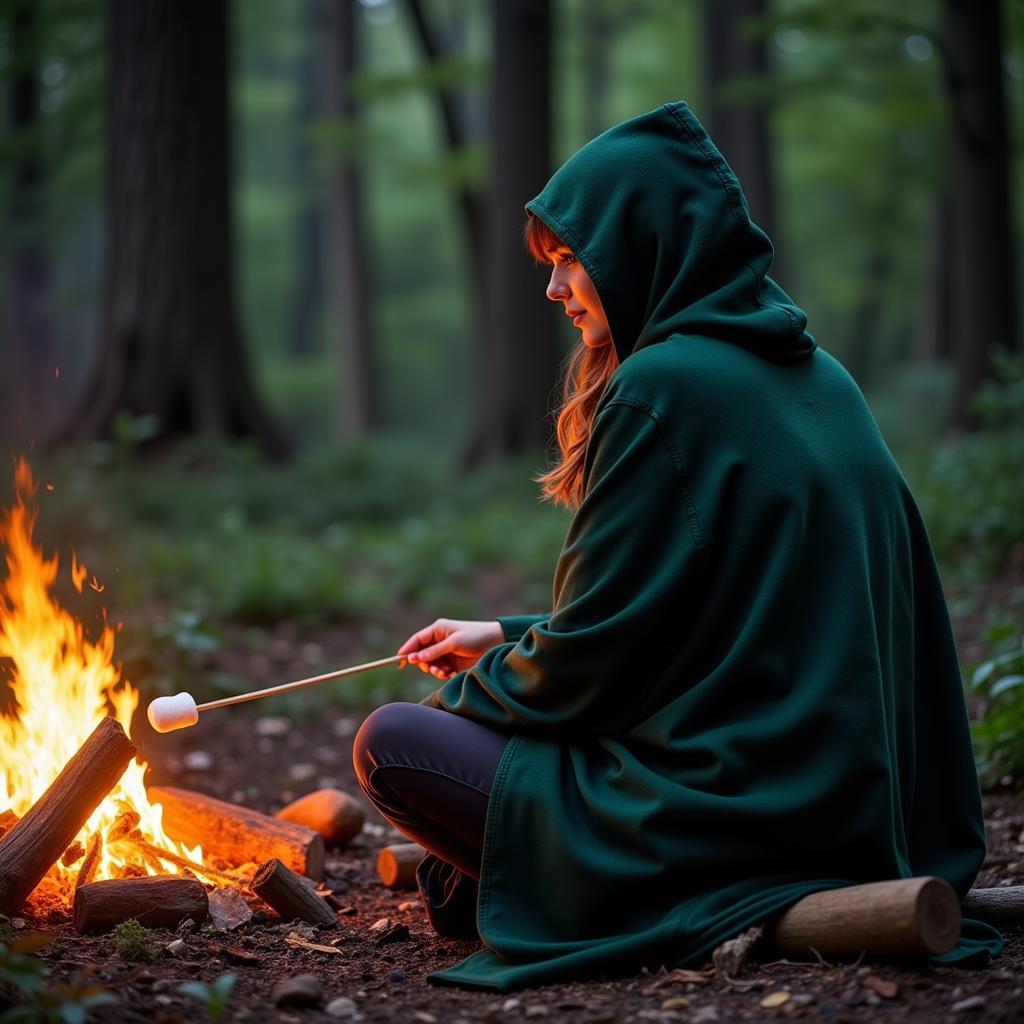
253 757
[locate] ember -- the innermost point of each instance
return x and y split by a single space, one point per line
62 686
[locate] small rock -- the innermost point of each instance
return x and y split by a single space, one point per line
198 761
704 1015
872 999
176 948
309 932
342 1006
301 771
775 999
396 933
676 1003
407 905
510 1004
163 1000
380 926
272 725
301 990
970 1003
347 726
536 1010
397 975
17 923
187 927
424 1017
228 910
886 989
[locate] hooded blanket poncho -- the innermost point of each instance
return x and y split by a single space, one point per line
747 688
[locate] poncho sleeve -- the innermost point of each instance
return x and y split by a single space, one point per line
630 567
515 626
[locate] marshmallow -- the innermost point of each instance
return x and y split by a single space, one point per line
169 713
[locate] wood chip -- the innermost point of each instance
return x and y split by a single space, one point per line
774 999
731 955
235 954
228 910
886 989
296 940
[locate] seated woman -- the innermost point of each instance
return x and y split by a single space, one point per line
746 689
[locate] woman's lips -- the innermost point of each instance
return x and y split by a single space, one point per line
577 318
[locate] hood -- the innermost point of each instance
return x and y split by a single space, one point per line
660 223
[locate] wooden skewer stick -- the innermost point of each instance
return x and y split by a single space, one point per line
299 684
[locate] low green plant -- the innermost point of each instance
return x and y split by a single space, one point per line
134 941
214 996
998 730
63 1003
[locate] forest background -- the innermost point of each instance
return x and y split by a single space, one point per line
282 367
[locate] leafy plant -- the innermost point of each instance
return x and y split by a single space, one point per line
63 1003
999 729
214 996
134 941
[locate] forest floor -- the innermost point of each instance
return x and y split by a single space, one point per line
251 756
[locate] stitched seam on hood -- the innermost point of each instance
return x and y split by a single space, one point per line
571 239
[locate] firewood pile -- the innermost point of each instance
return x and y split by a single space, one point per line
247 856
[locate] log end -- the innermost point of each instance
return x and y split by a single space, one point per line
937 911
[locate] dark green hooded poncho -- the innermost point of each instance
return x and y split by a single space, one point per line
747 688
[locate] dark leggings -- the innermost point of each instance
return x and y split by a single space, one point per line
430 774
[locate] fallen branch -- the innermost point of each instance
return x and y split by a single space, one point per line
1000 906
290 896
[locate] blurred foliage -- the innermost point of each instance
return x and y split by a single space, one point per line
212 996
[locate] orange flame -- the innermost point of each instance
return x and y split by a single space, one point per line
62 685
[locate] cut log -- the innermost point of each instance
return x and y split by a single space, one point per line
331 812
238 835
999 907
396 865
290 895
903 917
32 846
157 902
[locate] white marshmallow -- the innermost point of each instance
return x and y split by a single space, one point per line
169 713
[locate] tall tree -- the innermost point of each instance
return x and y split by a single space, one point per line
981 216
31 329
350 289
169 345
520 356
740 130
308 294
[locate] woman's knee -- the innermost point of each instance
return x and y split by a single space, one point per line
383 732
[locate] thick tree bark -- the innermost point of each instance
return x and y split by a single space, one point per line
33 845
982 251
354 410
741 133
169 344
519 363
33 342
932 338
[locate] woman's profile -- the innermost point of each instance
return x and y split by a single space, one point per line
746 687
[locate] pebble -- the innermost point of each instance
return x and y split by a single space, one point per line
510 1004
187 927
424 1018
176 948
17 923
271 726
536 1010
970 1003
342 1006
198 761
300 990
301 772
408 905
397 975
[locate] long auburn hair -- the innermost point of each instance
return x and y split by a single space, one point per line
586 373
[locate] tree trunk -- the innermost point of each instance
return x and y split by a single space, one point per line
308 293
982 261
740 132
169 345
354 411
520 358
33 344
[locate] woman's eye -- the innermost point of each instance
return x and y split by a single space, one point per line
568 259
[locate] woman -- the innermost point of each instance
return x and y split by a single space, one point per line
746 689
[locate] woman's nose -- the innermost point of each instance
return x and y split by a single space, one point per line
557 289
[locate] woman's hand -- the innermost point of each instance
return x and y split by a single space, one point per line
448 646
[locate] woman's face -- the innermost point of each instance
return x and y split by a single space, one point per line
571 285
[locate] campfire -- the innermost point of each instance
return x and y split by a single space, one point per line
77 826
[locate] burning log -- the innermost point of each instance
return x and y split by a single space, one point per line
903 917
8 819
396 865
290 895
87 871
236 834
156 901
33 845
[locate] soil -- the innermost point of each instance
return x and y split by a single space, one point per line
250 756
